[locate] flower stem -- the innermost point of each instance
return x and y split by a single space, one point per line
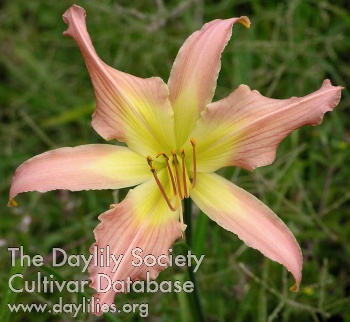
188 234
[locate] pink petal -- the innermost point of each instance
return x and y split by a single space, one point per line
131 109
193 77
143 220
245 128
241 213
95 166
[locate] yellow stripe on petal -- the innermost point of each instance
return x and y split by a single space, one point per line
122 164
243 214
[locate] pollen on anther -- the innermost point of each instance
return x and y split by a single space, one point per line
163 154
149 160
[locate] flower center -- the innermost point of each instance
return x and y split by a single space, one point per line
180 181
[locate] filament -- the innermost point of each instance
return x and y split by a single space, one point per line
170 171
154 172
177 173
182 152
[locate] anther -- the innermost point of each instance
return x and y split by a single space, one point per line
193 142
149 161
163 154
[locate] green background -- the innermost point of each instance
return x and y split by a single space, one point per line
46 101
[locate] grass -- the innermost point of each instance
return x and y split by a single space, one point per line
46 102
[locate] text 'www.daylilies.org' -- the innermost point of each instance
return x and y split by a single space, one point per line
176 139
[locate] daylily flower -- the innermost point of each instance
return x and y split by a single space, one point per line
175 140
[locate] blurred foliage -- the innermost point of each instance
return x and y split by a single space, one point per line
46 101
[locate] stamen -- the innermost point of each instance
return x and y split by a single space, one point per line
176 177
170 171
182 152
154 172
193 142
149 161
177 173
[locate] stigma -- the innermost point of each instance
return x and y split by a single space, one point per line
181 182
